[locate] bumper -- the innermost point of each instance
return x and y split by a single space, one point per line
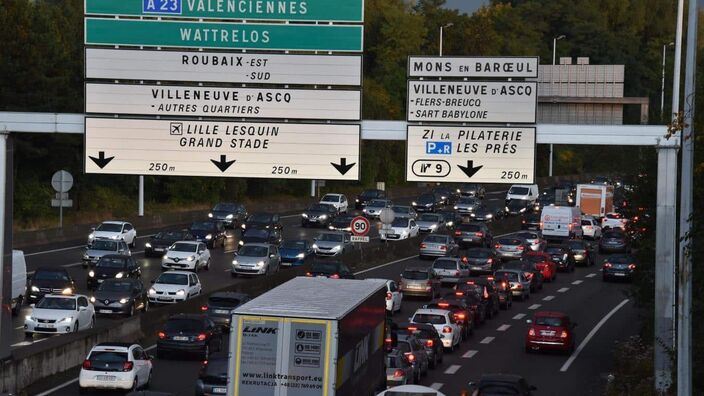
447 342
93 283
292 261
509 255
547 344
392 237
172 346
42 328
112 309
517 292
181 265
248 270
449 279
327 253
480 268
618 274
531 227
417 292
154 251
161 299
423 209
209 389
466 241
613 248
434 252
119 382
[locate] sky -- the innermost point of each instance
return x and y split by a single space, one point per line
467 6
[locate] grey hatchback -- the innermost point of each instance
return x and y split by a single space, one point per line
438 246
450 269
418 281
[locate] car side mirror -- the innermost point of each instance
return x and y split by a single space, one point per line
92 228
82 308
153 281
472 384
150 357
272 255
124 231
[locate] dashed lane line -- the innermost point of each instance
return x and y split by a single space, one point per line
534 307
548 298
519 316
453 369
563 290
470 354
590 275
486 340
436 385
577 282
503 327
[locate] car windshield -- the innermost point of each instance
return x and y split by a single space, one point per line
172 279
516 203
620 259
528 235
111 285
554 250
429 318
534 258
586 223
377 203
224 207
430 217
613 216
253 251
404 346
509 241
102 244
324 267
184 247
415 275
330 238
426 198
260 218
445 264
202 226
300 245
518 191
400 209
185 325
170 235
548 321
57 303
394 361
331 198
468 201
225 302
403 223
368 194
470 227
319 208
112 262
612 234
51 275
256 233
108 360
511 276
478 253
109 227
435 239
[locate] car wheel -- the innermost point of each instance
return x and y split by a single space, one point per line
75 327
131 313
207 265
149 381
135 385
16 309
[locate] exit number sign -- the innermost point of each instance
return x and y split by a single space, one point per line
161 7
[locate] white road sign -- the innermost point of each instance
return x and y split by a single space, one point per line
62 181
359 239
473 67
488 154
227 148
472 101
225 67
165 100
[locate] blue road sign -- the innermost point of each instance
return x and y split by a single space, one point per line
442 148
161 7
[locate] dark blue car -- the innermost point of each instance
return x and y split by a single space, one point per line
294 253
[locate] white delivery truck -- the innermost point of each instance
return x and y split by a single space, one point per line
561 222
19 280
310 337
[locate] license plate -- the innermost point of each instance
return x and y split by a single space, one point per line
547 333
100 280
220 390
392 235
158 249
106 378
180 338
165 299
221 311
107 311
47 325
619 274
476 268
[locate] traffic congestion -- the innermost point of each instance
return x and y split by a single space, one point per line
470 276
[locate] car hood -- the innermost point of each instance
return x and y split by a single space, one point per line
250 259
111 295
96 252
52 284
222 214
290 252
328 244
425 224
202 233
179 255
107 235
104 272
315 212
162 242
54 314
169 288
397 230
465 205
251 239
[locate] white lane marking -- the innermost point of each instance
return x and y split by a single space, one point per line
577 282
519 316
564 289
591 334
453 369
470 354
486 340
25 343
591 275
19 327
436 385
549 298
534 306
386 265
504 327
71 248
72 265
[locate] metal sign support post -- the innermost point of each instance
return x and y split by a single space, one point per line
6 194
61 202
141 196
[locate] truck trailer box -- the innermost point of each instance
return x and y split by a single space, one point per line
595 199
310 337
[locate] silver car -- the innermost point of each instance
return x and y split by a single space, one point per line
373 208
438 246
331 243
404 211
256 259
510 248
534 240
520 284
103 247
450 269
471 190
430 222
466 205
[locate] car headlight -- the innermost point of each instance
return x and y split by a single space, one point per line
91 236
433 226
506 208
29 317
564 256
430 204
191 258
414 203
323 217
67 319
124 300
229 217
85 256
234 262
472 215
455 207
243 226
522 210
260 263
210 215
304 215
356 200
152 291
166 257
92 299
67 290
315 246
148 245
35 289
181 292
119 275
209 236
241 243
489 216
336 248
91 273
450 223
301 255
458 191
115 237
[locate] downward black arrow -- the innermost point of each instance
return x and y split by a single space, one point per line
223 164
101 161
470 170
342 167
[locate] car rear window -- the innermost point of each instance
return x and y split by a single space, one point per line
227 302
613 234
477 253
511 276
324 267
470 227
185 325
107 360
554 250
548 321
435 239
509 241
620 259
394 361
518 190
613 216
429 318
445 264
415 275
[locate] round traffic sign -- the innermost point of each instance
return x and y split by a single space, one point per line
62 181
360 226
387 216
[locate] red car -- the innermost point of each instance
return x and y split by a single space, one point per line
543 263
550 330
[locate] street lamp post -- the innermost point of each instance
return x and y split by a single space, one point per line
662 88
552 79
441 29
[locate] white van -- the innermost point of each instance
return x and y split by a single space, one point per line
19 280
525 192
562 222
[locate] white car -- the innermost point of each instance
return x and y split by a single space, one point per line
402 390
187 255
116 366
445 324
174 286
115 230
394 296
339 201
614 220
401 228
590 228
60 314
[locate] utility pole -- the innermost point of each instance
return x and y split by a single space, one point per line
662 86
441 29
684 292
552 80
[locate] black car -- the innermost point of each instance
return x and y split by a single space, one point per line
220 305
619 266
530 221
481 260
157 245
120 297
582 252
476 303
212 379
461 311
503 289
545 199
428 336
210 232
451 218
228 213
49 281
476 234
483 213
487 295
445 195
534 275
502 384
517 207
341 223
261 235
490 292
262 220
330 269
367 195
471 190
188 333
318 214
614 241
426 203
562 257
113 266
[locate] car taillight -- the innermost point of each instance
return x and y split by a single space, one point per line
457 273
201 337
490 278
531 332
447 329
465 259
470 282
504 284
569 226
443 247
127 366
486 294
459 294
423 246
460 316
411 357
497 246
429 343
389 296
309 274
523 221
161 335
528 275
479 234
607 265
412 328
204 308
632 266
458 233
490 261
334 276
388 340
563 334
443 305
541 225
86 364
398 373
521 248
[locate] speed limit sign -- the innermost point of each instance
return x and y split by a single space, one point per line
360 226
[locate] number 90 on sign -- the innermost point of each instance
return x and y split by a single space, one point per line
360 226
